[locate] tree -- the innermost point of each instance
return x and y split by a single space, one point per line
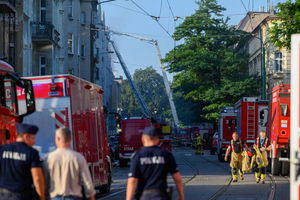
151 86
288 23
209 70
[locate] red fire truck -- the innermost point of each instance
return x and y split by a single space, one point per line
279 131
130 137
252 117
12 110
227 125
68 101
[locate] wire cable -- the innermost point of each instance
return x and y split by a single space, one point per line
248 15
153 17
160 9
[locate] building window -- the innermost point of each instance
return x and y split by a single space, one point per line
82 50
70 43
42 65
278 61
97 34
82 18
97 73
43 11
70 8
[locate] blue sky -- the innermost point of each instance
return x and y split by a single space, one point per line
124 16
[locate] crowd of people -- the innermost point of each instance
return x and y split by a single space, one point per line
64 174
61 176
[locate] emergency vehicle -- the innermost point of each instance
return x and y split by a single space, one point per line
166 137
130 137
68 101
227 125
279 129
252 117
12 109
295 119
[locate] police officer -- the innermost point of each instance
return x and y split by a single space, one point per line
262 145
149 169
236 149
20 167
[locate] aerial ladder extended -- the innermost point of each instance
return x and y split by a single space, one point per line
130 81
165 78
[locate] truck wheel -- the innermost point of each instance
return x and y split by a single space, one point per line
285 168
275 166
123 163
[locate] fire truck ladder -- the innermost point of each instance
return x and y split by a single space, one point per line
251 121
130 81
165 78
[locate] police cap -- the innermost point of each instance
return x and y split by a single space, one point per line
151 131
27 128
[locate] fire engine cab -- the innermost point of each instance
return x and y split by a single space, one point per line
12 109
279 131
227 125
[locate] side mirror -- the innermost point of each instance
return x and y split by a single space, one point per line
29 97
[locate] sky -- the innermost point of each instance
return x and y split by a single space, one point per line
129 16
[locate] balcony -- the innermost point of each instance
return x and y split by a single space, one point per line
44 33
8 6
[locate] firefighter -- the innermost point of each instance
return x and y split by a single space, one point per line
199 141
262 146
236 149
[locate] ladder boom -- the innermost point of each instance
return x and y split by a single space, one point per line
130 81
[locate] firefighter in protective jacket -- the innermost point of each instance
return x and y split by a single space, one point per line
261 158
236 148
199 142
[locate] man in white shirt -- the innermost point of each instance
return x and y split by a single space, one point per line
67 171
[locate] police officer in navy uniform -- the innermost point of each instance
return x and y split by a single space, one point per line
149 169
20 167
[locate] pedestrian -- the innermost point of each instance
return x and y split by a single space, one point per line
149 169
236 148
21 168
262 146
67 171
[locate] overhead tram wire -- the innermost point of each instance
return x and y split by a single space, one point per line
153 17
248 14
126 8
175 19
160 9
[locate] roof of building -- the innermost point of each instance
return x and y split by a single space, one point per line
252 20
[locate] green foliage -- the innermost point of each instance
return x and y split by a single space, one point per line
287 24
209 70
151 86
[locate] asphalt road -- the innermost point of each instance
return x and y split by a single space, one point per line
208 179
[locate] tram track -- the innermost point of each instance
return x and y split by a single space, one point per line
223 188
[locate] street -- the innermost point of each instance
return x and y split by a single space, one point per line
207 178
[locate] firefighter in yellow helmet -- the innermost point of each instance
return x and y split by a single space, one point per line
236 148
199 142
261 158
